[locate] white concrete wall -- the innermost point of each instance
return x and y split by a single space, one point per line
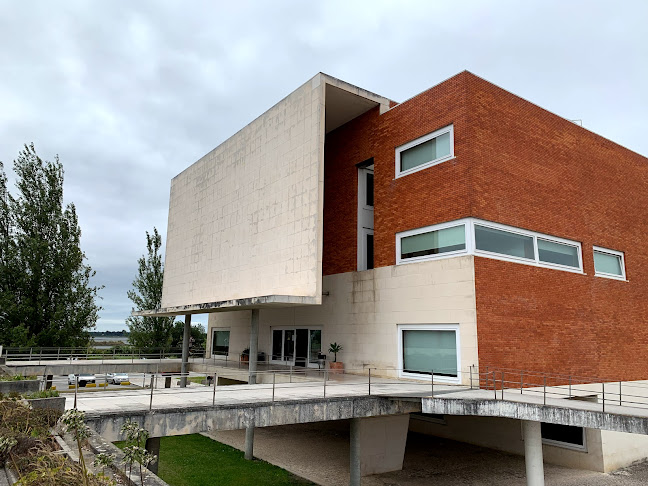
246 219
621 449
363 310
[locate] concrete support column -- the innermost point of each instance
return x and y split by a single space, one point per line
533 453
354 456
249 442
254 346
185 350
377 445
153 446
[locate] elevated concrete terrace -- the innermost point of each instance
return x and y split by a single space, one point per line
198 408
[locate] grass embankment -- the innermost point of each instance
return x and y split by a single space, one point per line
196 460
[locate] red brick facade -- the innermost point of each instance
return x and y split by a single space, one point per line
520 165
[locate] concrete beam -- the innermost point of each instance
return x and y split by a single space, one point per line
537 413
191 420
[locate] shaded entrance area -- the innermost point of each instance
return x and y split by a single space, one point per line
320 452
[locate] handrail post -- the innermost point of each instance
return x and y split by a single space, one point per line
620 403
76 387
369 381
494 385
521 382
603 388
502 378
432 383
274 377
570 386
324 383
214 392
544 391
152 387
471 378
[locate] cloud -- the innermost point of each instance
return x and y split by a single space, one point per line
131 94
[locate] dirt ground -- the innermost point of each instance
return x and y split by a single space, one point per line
320 452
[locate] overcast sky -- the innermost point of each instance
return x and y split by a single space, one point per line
128 94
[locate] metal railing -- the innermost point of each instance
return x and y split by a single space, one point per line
123 352
493 383
556 385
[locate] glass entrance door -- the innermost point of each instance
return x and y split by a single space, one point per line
296 346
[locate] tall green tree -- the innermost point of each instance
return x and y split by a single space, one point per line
149 332
45 294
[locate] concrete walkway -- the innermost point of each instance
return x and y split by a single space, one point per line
320 452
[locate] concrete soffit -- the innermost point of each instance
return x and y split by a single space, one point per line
344 102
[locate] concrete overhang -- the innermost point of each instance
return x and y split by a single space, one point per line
277 226
344 102
267 301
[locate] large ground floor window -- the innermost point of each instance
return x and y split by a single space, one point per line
298 346
220 342
427 349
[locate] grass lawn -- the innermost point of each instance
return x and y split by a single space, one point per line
196 460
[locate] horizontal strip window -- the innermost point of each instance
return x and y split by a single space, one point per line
504 242
558 253
609 263
426 151
474 236
434 242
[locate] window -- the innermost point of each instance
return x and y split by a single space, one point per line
503 242
427 349
558 253
563 436
434 242
608 263
472 236
424 152
220 342
369 184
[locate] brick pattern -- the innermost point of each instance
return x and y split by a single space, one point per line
517 164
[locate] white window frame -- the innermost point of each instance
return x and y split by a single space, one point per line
449 129
471 248
428 229
620 254
536 262
568 445
428 327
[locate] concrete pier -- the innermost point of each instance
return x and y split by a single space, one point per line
533 453
184 370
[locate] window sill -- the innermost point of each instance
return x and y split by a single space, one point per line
611 277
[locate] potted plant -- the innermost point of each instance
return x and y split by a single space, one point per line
336 365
